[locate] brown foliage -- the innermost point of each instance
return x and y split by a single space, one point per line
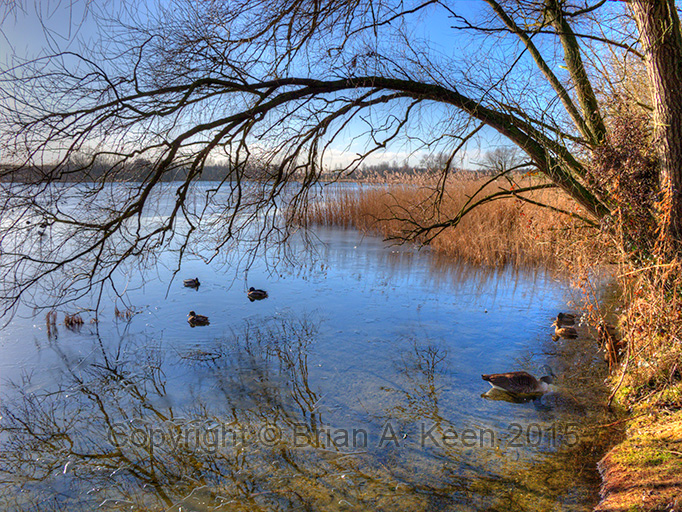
652 328
126 314
625 169
502 232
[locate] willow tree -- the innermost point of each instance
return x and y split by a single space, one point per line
275 90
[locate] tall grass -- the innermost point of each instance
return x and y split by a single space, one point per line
502 232
651 330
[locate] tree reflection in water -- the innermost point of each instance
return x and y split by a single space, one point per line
250 432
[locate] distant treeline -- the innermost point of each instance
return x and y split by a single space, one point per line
140 170
392 170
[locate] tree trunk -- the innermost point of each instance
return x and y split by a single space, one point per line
661 39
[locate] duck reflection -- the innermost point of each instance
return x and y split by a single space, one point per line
553 401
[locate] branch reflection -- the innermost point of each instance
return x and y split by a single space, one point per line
241 423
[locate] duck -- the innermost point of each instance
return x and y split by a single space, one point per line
254 294
192 283
520 383
565 319
605 332
193 319
612 346
563 332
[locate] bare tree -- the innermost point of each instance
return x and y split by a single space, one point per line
501 160
271 87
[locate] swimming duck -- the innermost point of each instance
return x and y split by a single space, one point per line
254 294
612 346
193 319
563 332
565 319
192 283
605 332
520 383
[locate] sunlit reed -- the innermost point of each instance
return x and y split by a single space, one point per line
505 231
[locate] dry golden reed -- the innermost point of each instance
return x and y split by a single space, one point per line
51 324
498 233
126 314
651 327
73 322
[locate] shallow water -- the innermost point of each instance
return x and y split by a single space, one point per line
355 386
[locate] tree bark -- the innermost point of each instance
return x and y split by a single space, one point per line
661 39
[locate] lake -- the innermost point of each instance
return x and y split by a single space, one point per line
356 385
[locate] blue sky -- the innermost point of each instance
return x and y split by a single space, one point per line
42 27
36 28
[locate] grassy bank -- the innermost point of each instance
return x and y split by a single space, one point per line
643 346
644 472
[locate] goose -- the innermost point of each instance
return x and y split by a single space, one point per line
254 294
565 319
563 332
192 283
193 319
520 383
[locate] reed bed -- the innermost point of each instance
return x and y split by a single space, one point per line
498 233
